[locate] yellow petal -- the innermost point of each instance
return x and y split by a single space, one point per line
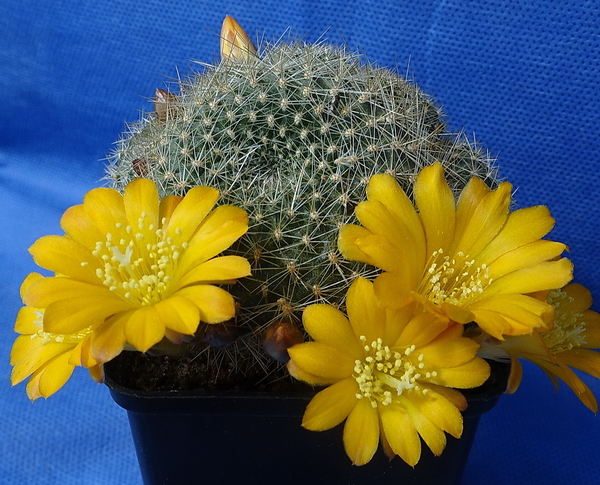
328 325
366 317
515 377
215 304
585 360
106 209
521 313
221 228
28 321
579 298
74 314
322 360
390 257
543 276
97 373
448 350
441 412
392 290
65 256
385 189
298 373
525 256
28 281
436 205
235 43
522 227
190 212
382 222
485 223
217 270
401 433
54 375
32 389
109 339
167 207
143 329
331 406
28 355
347 243
361 433
45 291
466 376
179 314
468 201
80 227
141 203
433 436
421 330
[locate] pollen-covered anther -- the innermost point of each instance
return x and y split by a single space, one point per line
569 328
385 373
454 280
138 267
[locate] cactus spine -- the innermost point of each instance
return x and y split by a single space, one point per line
292 134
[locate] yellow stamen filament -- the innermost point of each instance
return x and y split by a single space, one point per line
139 266
385 373
454 280
568 331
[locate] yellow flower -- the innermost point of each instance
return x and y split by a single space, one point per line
135 270
470 260
568 345
48 359
389 374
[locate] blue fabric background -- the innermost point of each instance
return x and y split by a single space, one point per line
521 76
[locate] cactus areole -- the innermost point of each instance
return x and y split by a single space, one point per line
291 132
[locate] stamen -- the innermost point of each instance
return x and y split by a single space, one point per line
569 330
455 280
385 373
139 271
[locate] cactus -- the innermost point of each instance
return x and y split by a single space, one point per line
291 133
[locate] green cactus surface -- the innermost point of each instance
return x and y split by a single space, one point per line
292 135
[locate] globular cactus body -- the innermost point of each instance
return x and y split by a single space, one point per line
292 135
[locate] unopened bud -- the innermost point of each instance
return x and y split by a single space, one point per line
279 337
163 104
140 167
235 43
221 335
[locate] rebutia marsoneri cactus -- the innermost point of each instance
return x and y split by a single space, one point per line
292 134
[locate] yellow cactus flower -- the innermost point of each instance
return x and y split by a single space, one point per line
389 374
235 43
569 344
135 270
47 358
470 260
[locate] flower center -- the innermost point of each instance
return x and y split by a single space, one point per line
456 281
384 373
568 330
140 264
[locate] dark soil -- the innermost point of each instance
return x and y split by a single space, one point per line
198 371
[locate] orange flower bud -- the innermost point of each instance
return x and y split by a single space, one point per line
235 43
279 337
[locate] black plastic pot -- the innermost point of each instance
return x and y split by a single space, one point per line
195 437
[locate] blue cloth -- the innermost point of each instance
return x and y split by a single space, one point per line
520 76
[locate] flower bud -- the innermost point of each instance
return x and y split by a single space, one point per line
235 43
140 167
163 104
221 335
279 337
